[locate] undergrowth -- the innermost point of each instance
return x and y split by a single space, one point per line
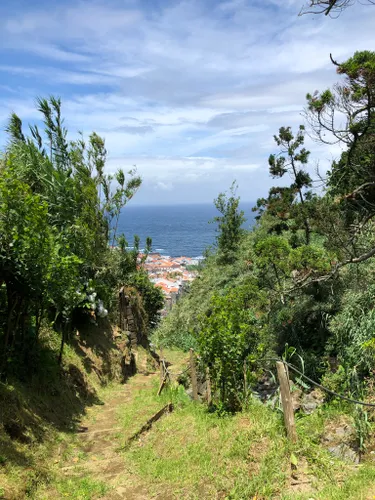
191 453
195 454
39 415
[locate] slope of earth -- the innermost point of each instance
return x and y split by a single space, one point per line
40 408
190 453
194 454
94 466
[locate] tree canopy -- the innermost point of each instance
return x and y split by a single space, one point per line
59 213
300 277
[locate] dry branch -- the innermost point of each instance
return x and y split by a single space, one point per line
147 426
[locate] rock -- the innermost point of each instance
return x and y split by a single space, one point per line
318 395
344 432
202 388
344 452
311 401
266 389
296 399
309 405
339 442
189 392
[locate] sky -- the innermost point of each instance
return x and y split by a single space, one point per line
190 92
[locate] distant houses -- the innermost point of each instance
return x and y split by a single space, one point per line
170 274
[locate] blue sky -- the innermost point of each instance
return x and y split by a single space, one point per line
189 91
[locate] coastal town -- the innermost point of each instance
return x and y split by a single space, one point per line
171 274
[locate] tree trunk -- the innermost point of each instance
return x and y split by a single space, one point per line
12 304
63 333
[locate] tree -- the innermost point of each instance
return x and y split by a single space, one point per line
25 259
56 212
152 296
346 115
230 222
281 201
231 334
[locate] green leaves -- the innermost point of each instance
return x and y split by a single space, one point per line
288 204
56 210
229 225
230 333
345 115
25 235
310 258
293 460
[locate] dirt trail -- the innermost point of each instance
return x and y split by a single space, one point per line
99 445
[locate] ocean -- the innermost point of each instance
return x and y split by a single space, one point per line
175 230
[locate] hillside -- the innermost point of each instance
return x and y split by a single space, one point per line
75 442
247 374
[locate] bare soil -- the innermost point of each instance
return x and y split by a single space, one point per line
97 450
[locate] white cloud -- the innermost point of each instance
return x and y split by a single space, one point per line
190 91
164 186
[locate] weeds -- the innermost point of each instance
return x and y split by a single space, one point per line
193 453
81 489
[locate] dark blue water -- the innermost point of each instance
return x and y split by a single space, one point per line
175 230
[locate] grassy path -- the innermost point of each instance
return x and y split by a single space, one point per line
98 454
193 454
94 464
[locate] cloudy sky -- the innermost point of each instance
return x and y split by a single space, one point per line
191 92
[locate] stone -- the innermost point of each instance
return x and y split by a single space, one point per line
189 392
344 452
311 401
202 388
296 399
343 431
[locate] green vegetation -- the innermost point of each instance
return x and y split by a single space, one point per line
59 212
192 453
300 286
229 226
250 457
303 277
59 281
81 489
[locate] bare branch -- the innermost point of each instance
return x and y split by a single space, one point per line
330 7
358 190
333 61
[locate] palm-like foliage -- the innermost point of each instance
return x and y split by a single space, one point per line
55 219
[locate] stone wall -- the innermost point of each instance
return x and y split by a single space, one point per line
131 320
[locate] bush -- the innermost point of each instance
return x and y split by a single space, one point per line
233 332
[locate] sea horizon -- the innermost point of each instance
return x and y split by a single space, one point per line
190 204
176 230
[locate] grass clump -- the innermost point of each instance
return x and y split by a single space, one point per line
194 453
197 454
81 489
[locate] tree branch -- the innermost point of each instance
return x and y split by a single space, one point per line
358 190
319 279
330 55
